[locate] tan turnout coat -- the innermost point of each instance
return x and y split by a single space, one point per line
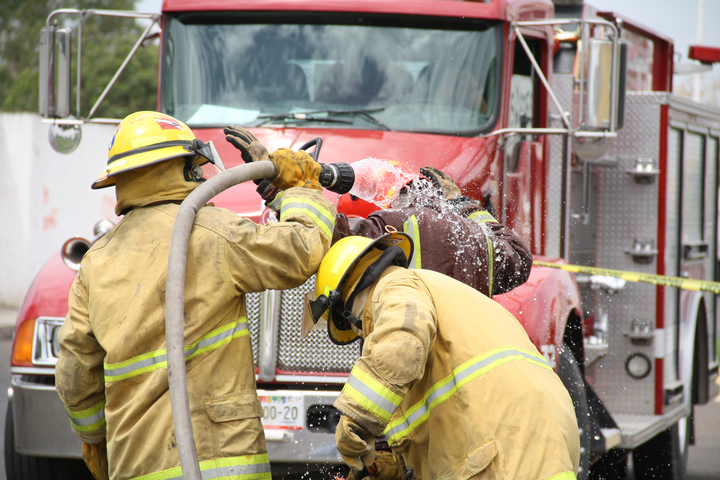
455 384
112 373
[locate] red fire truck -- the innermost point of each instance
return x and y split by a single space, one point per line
558 117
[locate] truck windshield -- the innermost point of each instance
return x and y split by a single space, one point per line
333 70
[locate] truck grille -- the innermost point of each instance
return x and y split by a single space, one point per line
316 353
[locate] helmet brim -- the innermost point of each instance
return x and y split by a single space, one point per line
141 160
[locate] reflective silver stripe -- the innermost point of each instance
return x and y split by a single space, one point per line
87 421
421 410
209 341
156 360
160 360
231 468
321 215
372 396
236 471
276 202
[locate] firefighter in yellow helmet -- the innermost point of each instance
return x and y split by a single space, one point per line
111 372
446 374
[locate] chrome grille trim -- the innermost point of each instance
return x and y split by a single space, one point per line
316 353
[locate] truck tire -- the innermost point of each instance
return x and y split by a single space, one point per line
569 373
611 466
23 467
663 456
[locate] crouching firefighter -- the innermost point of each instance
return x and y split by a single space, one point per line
447 375
112 370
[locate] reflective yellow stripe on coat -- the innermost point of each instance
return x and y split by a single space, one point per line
450 385
88 420
412 228
563 476
276 203
481 216
371 394
322 217
149 362
491 261
247 467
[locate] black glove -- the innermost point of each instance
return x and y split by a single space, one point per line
442 182
250 148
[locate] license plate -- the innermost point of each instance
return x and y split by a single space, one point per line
282 411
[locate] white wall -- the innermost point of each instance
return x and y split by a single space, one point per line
45 197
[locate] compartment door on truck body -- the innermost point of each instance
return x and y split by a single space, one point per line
695 143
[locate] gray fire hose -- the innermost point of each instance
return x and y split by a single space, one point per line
175 303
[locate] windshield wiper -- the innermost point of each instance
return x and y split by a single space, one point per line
299 117
364 113
311 116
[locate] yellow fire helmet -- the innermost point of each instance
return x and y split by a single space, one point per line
351 265
144 138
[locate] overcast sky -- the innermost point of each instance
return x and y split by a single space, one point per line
676 19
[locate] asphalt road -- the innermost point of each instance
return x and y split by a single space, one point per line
703 457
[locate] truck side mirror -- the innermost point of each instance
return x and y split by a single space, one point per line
55 57
603 91
600 82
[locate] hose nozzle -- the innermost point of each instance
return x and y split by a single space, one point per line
337 177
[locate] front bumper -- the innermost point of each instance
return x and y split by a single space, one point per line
42 428
315 441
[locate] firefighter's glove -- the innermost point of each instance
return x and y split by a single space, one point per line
442 182
250 147
95 456
295 169
355 444
385 469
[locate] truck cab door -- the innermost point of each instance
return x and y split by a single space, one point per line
522 153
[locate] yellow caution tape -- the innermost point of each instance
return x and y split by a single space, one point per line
677 282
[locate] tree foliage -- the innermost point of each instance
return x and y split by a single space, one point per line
106 41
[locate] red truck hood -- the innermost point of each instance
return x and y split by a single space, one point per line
461 157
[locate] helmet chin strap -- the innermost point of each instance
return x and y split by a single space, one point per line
349 317
192 171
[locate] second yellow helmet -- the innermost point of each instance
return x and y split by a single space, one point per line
337 267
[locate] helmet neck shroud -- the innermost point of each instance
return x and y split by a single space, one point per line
341 312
